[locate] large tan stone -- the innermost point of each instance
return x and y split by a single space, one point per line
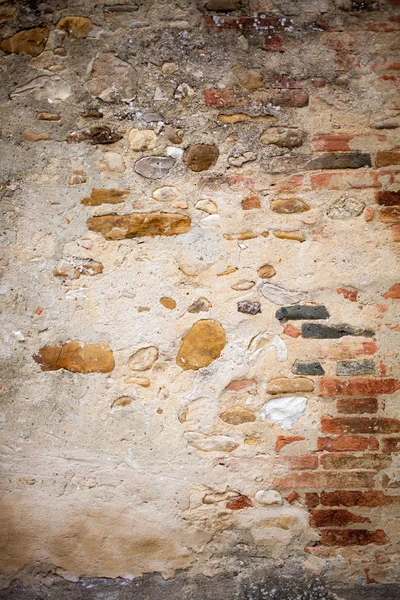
76 357
119 227
201 345
28 41
76 27
286 385
105 196
237 415
287 206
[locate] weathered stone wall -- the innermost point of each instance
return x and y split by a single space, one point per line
200 287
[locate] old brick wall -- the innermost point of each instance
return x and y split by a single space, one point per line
200 288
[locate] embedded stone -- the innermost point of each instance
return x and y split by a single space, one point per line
112 79
279 295
76 357
243 118
104 135
264 341
200 305
210 443
119 227
47 88
346 208
393 293
141 381
245 235
168 302
207 205
200 157
92 113
27 41
289 206
242 385
284 411
154 167
165 193
122 401
143 359
286 385
302 312
237 415
390 214
307 367
355 367
31 136
316 330
105 196
239 503
142 139
340 160
296 236
112 161
251 308
248 78
242 159
243 284
47 116
76 27
268 497
228 271
283 137
223 5
201 345
266 272
75 268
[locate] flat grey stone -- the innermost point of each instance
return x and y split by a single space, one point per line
307 367
306 312
154 167
317 330
355 367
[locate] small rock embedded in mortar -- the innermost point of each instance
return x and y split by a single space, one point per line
250 308
200 305
143 359
154 167
200 157
284 411
278 295
303 312
237 415
201 345
307 367
119 227
268 497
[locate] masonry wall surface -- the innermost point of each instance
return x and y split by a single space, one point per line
200 290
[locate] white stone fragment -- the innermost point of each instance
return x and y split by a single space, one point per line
268 497
279 295
211 222
143 359
19 335
207 205
52 89
285 411
264 341
175 152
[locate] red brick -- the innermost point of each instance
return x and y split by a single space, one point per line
321 479
347 180
283 440
250 202
292 331
239 503
274 43
347 443
391 444
351 406
393 293
353 537
292 497
369 213
331 142
349 498
359 425
357 386
390 214
233 98
349 461
395 233
368 348
242 385
348 294
303 463
385 198
387 158
311 499
256 22
338 517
